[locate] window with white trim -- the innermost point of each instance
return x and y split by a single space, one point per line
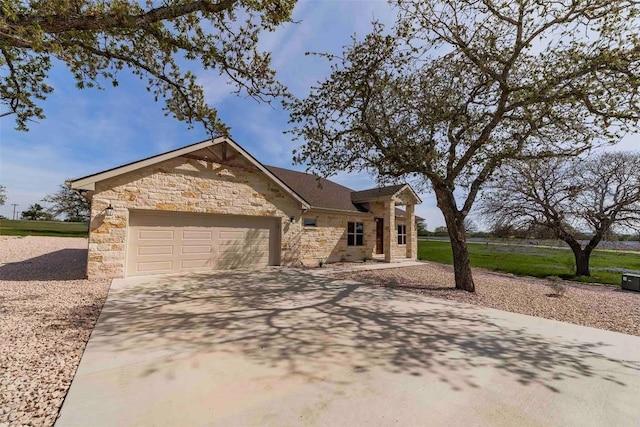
402 234
355 234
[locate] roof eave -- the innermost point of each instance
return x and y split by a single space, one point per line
318 208
89 182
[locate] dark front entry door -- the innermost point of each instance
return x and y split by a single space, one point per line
379 235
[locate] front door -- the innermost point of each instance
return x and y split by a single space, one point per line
379 235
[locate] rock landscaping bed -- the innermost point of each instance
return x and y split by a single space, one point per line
598 306
47 312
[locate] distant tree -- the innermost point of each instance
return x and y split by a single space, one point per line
457 87
37 213
422 228
441 231
566 195
536 231
3 195
96 39
70 203
502 231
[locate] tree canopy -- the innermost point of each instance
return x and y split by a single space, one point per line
36 212
155 40
566 196
457 87
70 203
3 195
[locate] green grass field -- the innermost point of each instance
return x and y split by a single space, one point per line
606 266
43 228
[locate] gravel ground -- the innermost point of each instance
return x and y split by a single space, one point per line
598 306
47 312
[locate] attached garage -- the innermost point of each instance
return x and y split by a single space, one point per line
207 206
172 242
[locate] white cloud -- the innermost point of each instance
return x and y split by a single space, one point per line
216 88
630 142
29 175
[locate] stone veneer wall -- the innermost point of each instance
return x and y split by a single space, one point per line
327 241
185 185
399 250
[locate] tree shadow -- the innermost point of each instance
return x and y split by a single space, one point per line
307 324
65 264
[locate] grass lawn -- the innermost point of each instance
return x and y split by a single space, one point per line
606 266
43 228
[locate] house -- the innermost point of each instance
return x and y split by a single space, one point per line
211 205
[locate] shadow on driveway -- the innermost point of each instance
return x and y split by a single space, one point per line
309 323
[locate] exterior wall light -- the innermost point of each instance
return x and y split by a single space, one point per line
109 210
292 219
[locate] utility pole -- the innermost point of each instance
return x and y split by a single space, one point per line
14 209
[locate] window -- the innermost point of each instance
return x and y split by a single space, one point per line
355 234
402 234
309 222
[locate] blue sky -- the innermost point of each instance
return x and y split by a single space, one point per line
89 130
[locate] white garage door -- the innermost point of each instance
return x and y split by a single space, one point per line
175 242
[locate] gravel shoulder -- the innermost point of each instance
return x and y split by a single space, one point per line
47 312
597 306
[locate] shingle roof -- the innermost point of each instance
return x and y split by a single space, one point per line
372 193
318 192
322 193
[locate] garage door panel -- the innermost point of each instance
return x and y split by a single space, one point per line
155 250
197 235
159 266
196 249
174 242
150 234
195 263
231 235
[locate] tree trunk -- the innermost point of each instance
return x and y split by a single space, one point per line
455 226
582 262
461 263
581 255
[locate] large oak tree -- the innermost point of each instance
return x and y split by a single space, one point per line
456 87
566 196
154 39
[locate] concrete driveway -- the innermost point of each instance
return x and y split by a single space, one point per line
287 347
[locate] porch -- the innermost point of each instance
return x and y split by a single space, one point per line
396 230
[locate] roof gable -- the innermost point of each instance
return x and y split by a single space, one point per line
88 182
399 191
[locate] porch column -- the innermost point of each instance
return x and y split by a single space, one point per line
412 232
390 233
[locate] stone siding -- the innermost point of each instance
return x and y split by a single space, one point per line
399 250
327 240
185 185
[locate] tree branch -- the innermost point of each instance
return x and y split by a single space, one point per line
100 21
